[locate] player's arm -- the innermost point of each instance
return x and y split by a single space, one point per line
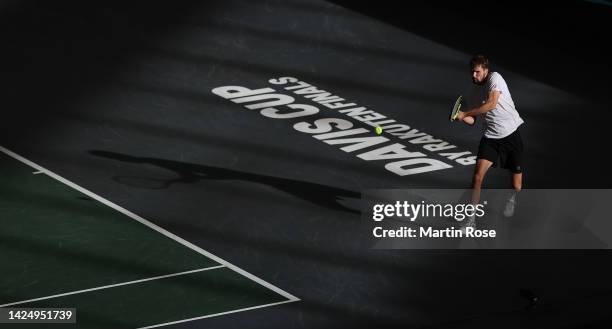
484 108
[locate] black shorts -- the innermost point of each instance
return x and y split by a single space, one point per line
505 152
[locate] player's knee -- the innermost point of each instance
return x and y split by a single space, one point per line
477 180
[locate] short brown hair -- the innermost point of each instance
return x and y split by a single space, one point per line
481 60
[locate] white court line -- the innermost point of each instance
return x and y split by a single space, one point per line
152 226
114 285
149 224
216 314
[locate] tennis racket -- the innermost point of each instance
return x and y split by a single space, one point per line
456 108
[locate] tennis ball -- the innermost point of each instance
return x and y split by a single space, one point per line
378 130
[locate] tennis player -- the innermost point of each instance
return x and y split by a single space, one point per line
501 143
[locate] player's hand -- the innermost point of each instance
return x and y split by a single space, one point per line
460 116
468 120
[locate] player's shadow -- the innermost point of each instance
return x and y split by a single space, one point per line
322 195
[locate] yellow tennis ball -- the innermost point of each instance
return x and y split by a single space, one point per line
378 130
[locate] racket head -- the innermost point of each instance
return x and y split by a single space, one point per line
456 108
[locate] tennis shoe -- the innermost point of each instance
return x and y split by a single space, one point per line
470 221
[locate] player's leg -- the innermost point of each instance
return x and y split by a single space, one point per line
517 181
517 185
514 164
486 157
482 166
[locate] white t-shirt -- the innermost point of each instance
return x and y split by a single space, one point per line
503 120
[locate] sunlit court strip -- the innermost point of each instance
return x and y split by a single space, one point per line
224 264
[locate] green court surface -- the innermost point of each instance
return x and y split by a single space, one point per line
63 246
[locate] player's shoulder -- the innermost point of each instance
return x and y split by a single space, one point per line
496 76
495 79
